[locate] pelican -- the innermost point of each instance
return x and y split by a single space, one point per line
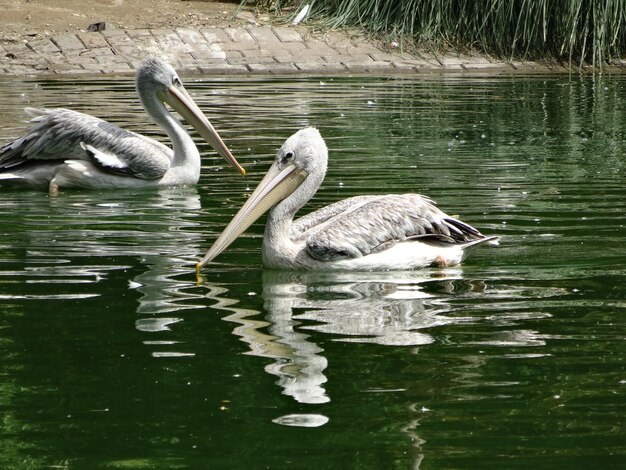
362 233
65 148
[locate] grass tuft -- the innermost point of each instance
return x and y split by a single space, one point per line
575 31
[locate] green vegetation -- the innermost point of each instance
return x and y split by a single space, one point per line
576 31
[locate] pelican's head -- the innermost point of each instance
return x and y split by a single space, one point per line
305 150
295 175
156 77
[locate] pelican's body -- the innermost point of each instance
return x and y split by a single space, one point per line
65 148
387 232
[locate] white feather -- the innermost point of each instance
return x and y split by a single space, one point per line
301 15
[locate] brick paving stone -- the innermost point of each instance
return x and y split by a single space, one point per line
112 33
97 52
483 66
218 52
362 48
208 54
406 64
292 46
272 68
386 56
139 33
74 52
239 35
357 57
287 34
232 50
22 62
68 42
450 61
199 48
246 60
365 66
320 67
149 45
172 49
251 54
25 70
122 67
166 36
238 46
313 59
130 50
224 69
232 54
283 68
314 52
191 36
93 67
18 51
187 60
319 48
59 58
259 68
113 60
92 40
119 40
66 68
337 39
209 61
43 46
263 34
430 59
215 35
284 58
148 50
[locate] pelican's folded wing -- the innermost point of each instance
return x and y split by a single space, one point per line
313 220
382 221
63 134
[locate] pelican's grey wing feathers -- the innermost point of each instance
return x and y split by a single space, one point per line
63 134
316 218
381 221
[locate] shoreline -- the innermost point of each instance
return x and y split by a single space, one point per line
214 37
247 49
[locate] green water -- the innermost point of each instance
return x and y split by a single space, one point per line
112 356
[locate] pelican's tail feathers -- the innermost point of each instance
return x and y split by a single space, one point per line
10 177
491 241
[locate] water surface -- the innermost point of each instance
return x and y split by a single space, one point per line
113 356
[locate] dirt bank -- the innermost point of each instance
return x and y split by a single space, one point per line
21 18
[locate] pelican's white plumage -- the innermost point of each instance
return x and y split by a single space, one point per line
65 148
386 232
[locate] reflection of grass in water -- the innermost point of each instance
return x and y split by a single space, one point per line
572 31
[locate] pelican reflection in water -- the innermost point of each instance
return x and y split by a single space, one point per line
65 148
386 232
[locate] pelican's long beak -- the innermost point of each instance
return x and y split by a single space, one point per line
273 188
179 99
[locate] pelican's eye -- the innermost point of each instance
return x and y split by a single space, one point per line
289 156
176 82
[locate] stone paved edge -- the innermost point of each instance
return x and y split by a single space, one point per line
226 51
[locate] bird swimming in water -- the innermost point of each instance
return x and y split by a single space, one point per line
68 149
376 232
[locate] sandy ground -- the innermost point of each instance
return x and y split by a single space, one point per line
20 18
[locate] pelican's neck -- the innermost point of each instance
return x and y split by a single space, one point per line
278 226
185 150
280 247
